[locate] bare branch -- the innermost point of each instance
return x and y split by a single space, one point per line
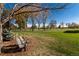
42 9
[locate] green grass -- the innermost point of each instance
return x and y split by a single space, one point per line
65 43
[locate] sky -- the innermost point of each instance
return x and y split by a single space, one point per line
67 15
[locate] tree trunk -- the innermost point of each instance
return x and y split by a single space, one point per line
33 24
1 39
38 26
25 24
44 26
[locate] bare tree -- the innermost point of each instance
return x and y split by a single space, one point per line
62 24
39 20
44 18
72 25
33 23
52 24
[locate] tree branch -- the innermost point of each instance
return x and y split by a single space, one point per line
41 9
30 4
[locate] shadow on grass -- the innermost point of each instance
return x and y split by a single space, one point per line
71 31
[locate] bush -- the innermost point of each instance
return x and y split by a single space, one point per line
71 31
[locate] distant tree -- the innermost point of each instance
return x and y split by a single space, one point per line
33 23
39 20
59 26
62 24
20 19
72 25
52 24
44 18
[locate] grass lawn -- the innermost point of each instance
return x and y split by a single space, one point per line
54 42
